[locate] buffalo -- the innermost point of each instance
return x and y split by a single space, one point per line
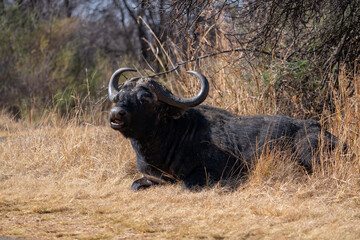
177 139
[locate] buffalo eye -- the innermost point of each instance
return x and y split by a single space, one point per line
144 100
145 97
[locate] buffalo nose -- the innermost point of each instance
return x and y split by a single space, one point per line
117 113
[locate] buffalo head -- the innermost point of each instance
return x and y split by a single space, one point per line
141 102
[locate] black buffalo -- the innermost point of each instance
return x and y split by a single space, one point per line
176 139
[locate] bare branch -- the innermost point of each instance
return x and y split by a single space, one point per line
177 65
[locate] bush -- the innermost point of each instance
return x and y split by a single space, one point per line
43 64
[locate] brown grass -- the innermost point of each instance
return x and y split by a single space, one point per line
62 179
70 179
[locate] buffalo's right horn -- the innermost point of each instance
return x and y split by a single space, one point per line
113 89
167 97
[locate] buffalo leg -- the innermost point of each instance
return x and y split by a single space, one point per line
142 183
307 151
197 180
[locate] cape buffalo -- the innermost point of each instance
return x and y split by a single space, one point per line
178 139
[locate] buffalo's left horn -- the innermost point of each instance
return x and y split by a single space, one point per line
184 103
113 89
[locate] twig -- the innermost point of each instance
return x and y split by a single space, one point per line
177 65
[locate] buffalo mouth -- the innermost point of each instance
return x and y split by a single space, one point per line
117 124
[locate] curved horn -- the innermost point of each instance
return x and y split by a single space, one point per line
113 89
167 97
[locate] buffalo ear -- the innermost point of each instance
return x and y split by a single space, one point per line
175 112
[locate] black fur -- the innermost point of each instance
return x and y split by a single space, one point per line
203 145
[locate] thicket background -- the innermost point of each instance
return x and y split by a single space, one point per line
58 55
64 173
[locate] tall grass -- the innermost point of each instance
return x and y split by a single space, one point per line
69 176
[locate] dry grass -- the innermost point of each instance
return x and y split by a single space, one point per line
70 179
73 182
61 179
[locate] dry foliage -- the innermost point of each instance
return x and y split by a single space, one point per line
70 179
